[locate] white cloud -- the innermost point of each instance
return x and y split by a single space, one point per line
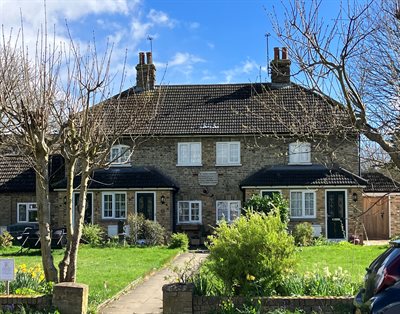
161 18
194 25
184 58
246 68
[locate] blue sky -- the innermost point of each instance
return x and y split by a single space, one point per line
194 41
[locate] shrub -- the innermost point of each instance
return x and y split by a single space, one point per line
252 254
142 229
92 234
179 240
153 232
277 203
6 240
303 234
319 283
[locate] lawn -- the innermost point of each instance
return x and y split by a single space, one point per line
352 258
105 270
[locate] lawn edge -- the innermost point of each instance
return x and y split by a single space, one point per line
137 281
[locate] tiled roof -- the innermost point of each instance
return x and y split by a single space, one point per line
124 178
16 175
304 175
378 183
221 109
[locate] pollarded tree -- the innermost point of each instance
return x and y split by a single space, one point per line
354 58
28 94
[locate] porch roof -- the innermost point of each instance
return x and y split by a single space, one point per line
302 175
123 178
379 183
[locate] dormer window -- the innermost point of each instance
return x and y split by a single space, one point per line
299 153
120 154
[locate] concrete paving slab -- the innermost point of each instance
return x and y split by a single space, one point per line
146 298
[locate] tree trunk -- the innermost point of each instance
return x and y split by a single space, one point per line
43 204
69 270
65 262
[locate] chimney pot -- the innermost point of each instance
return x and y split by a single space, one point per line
149 57
280 68
145 73
141 57
284 53
276 53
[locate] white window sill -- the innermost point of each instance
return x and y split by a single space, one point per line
189 165
189 223
125 164
300 163
303 217
113 218
228 165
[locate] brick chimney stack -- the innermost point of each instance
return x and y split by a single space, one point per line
280 67
145 72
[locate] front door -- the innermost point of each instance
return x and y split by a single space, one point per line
336 214
145 205
89 208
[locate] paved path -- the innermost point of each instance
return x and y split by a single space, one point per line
147 296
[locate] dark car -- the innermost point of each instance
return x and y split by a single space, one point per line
381 291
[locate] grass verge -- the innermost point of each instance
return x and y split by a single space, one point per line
106 270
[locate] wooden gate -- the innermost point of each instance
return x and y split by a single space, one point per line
376 217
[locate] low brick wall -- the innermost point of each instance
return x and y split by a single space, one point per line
176 299
38 302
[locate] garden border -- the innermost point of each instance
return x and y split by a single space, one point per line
179 298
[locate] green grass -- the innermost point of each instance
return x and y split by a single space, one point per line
352 258
106 270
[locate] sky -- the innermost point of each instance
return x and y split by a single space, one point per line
193 41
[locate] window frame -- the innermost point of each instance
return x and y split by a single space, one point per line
188 163
120 161
296 157
113 207
190 221
271 190
228 220
303 203
229 162
27 212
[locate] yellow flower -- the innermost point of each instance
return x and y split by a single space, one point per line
250 277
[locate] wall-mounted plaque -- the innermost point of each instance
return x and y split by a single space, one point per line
208 178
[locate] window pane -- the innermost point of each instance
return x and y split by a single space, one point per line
222 211
107 205
295 204
195 153
126 154
22 212
183 157
114 154
32 215
234 153
120 205
223 153
195 212
183 214
234 210
309 204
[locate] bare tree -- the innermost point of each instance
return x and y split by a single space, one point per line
28 92
60 101
354 58
91 125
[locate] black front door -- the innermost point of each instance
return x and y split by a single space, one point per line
145 205
336 214
89 207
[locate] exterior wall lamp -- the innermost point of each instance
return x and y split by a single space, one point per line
162 199
355 197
